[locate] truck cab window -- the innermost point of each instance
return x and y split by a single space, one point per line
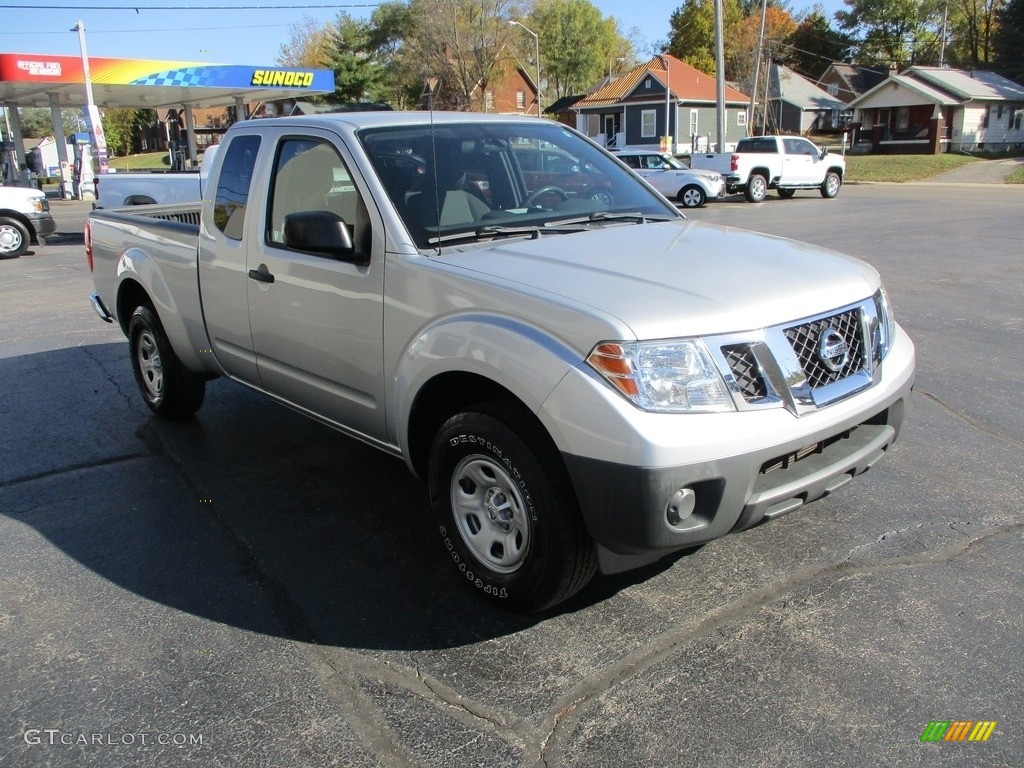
309 175
233 185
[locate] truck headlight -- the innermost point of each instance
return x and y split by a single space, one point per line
886 324
663 376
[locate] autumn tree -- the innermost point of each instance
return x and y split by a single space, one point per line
742 43
692 36
307 45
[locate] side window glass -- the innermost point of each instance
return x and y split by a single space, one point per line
309 175
233 186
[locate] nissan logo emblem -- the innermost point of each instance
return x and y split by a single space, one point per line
832 349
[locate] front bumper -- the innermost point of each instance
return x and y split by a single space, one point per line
42 224
671 482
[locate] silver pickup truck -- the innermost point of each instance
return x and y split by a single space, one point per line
585 379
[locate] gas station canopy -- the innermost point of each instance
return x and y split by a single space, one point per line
29 79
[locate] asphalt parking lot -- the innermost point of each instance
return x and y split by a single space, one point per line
252 589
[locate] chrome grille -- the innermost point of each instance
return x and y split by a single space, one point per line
744 368
805 340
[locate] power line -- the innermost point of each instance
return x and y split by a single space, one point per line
140 8
164 29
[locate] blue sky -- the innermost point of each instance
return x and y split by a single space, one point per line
233 36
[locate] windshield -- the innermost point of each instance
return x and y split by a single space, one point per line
496 178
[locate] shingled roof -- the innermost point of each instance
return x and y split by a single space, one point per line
685 83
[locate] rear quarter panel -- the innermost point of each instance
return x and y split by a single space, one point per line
130 248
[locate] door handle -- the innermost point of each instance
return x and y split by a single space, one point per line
261 275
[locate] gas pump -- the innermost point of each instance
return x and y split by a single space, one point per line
83 184
8 164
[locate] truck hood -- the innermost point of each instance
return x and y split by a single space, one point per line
678 278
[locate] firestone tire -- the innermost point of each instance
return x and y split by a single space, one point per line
830 186
14 238
692 196
170 390
505 510
757 188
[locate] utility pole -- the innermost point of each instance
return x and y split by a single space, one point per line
719 77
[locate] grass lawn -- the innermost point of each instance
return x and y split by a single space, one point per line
147 161
1017 177
901 167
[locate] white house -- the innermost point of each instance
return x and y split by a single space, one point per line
934 109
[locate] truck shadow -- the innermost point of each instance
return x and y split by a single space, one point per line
249 515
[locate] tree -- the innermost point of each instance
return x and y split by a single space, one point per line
122 128
900 31
741 46
466 44
973 25
307 45
815 44
391 24
1008 41
357 75
577 45
36 122
692 38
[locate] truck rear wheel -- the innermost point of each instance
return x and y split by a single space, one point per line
14 238
757 188
170 390
506 512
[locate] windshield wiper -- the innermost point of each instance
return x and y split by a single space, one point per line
597 216
497 230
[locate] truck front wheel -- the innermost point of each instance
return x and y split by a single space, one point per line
505 510
757 188
830 186
14 238
170 390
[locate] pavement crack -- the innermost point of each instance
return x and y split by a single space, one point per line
85 465
567 712
969 420
129 398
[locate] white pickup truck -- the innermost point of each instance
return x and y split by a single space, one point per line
585 379
24 219
782 163
122 188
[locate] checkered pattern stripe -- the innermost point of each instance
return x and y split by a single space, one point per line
190 77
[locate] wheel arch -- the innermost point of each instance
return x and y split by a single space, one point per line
22 219
445 395
140 280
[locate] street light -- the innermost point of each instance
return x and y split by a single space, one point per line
536 43
99 140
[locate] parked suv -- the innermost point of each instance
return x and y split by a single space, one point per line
24 218
690 187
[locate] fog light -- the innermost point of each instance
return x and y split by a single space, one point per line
680 506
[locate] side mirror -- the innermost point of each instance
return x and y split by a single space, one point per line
320 232
824 151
